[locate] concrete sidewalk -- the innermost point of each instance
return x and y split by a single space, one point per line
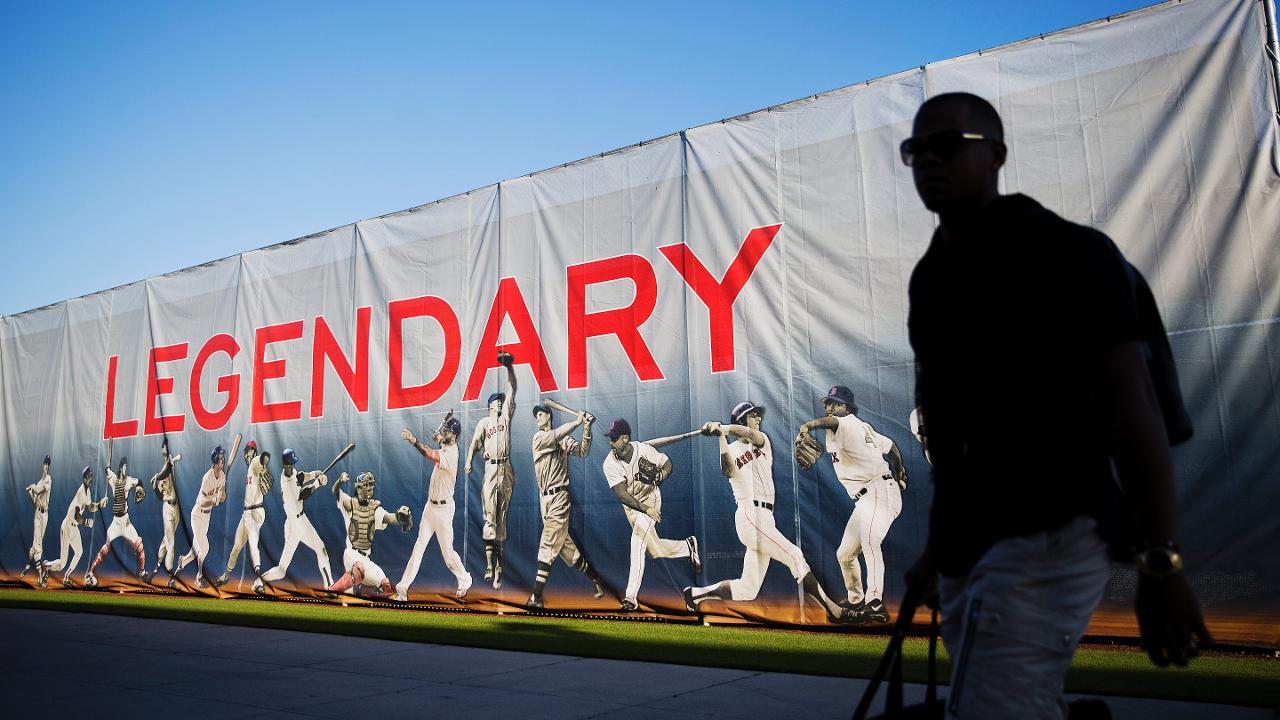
70 665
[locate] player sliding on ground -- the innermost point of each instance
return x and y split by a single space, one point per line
748 463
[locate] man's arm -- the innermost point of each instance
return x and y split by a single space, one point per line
899 470
755 437
509 406
630 501
1169 618
559 433
477 439
826 422
727 465
428 452
583 448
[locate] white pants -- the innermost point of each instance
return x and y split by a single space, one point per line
248 531
436 520
70 536
1012 624
499 480
873 512
298 529
199 539
644 537
37 536
121 527
373 575
164 555
760 536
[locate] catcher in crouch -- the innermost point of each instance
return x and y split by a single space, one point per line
858 454
364 516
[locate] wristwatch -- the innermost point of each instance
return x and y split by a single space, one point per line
1158 561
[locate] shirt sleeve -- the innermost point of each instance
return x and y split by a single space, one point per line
883 444
448 459
614 471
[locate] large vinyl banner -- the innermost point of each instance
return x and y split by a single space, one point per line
762 260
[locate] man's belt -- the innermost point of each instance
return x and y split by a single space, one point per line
887 476
765 505
438 502
497 461
364 552
247 508
300 513
556 489
206 511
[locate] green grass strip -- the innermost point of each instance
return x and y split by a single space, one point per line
1235 680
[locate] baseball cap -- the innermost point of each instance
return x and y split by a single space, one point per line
542 408
251 445
496 396
840 394
453 426
744 408
619 427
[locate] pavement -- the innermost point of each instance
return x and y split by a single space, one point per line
73 665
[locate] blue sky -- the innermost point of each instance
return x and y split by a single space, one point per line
140 138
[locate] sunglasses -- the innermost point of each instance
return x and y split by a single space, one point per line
943 145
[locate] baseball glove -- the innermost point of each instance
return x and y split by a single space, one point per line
807 451
405 518
649 473
139 493
505 359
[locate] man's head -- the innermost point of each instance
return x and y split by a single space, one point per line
542 417
838 401
216 457
289 458
365 486
124 467
619 435
955 152
86 476
250 451
747 413
495 403
46 465
449 431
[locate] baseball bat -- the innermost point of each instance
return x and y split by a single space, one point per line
235 447
553 404
345 452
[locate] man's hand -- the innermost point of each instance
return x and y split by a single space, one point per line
505 359
922 585
408 437
1169 619
654 513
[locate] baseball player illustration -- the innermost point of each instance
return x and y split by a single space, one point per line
165 486
119 486
493 438
79 512
437 514
635 470
213 492
858 455
364 516
551 451
748 464
295 487
257 483
38 492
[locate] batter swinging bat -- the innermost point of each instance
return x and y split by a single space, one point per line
345 452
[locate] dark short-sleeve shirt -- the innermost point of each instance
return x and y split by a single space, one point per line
1009 322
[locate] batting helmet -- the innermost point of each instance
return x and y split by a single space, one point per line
496 396
289 457
619 428
743 409
840 394
216 455
453 426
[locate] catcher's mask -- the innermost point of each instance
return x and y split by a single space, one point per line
365 485
743 409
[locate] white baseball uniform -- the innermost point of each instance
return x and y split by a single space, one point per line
119 489
166 490
358 564
495 437
297 526
213 488
77 513
437 519
250 527
39 493
644 535
752 485
857 453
